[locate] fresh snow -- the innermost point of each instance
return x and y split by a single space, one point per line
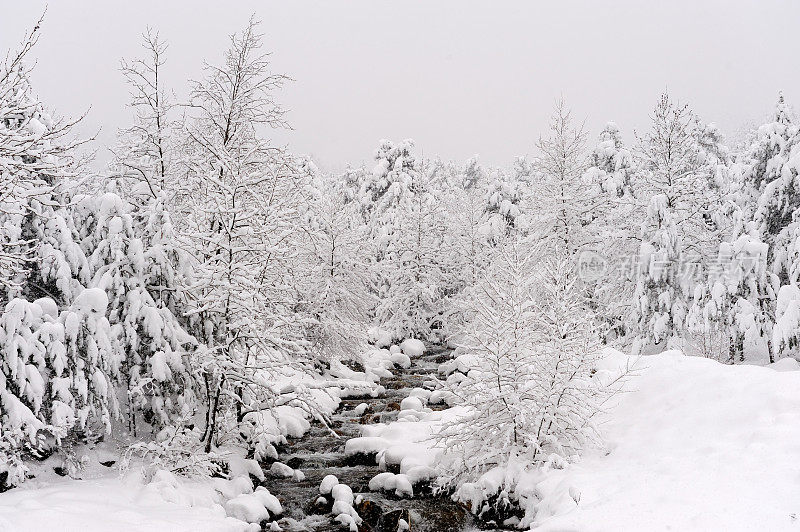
693 445
108 503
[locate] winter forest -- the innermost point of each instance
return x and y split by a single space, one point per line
212 332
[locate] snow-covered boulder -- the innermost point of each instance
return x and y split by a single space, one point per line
247 507
412 403
412 347
281 470
401 359
328 483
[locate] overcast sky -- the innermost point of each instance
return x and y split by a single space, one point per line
459 77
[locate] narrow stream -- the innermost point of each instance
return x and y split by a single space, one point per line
319 453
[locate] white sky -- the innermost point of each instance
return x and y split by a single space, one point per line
459 77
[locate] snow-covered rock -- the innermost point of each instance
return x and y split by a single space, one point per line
412 347
281 470
328 484
342 492
412 403
248 508
401 359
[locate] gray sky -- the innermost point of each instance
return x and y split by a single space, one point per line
459 77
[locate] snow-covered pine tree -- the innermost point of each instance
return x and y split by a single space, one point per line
38 163
57 368
404 218
412 267
140 266
770 191
676 179
386 193
614 227
611 163
732 313
767 202
504 198
127 261
57 376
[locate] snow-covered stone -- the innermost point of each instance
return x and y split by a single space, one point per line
401 359
279 469
328 483
412 403
412 347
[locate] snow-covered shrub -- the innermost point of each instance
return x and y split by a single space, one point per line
530 393
175 449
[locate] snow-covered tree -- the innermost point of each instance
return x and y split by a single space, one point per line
562 194
58 367
386 193
142 158
611 163
770 193
129 262
732 314
38 163
237 210
530 394
410 305
336 273
766 215
676 180
615 230
504 197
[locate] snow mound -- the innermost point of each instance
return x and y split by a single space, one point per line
785 364
412 347
401 359
411 403
328 484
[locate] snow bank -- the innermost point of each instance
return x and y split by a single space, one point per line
109 503
693 445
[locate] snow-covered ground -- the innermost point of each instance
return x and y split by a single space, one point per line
106 503
695 445
692 445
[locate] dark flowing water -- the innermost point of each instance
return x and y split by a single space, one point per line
319 453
